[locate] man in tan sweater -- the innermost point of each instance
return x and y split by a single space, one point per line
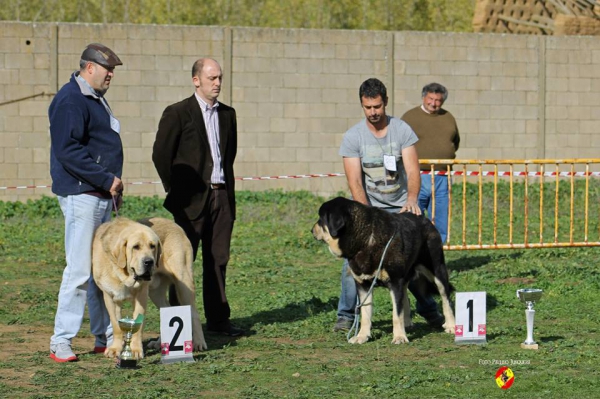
438 139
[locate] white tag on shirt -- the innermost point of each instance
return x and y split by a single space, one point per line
389 162
115 124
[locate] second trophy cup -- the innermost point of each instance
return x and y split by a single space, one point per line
529 296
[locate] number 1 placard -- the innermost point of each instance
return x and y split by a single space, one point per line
470 318
176 334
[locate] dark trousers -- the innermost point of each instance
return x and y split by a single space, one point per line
213 228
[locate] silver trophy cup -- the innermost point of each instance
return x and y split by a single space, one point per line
126 360
529 296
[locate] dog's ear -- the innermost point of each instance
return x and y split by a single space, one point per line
335 220
157 253
119 251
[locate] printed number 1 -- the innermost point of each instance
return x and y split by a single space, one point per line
172 346
470 307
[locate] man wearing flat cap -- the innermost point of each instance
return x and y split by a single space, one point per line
86 161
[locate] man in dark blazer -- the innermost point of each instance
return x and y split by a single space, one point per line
194 151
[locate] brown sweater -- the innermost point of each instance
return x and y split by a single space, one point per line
437 133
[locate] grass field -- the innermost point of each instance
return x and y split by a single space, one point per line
283 288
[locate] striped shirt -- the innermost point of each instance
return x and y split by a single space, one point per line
211 122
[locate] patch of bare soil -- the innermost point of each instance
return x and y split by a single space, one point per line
20 341
516 280
22 347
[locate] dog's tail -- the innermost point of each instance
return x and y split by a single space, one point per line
173 298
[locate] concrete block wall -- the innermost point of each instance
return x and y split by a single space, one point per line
25 61
572 97
296 93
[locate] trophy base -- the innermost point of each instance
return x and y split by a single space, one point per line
127 364
529 346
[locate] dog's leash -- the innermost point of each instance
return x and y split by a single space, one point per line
115 208
356 322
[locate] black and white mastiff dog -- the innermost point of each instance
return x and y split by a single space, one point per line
360 234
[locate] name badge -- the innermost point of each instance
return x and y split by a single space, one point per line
115 124
389 162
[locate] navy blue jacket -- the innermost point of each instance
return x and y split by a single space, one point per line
85 152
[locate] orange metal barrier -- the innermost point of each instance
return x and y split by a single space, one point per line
520 200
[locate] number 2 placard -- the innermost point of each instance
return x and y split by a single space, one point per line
176 334
470 318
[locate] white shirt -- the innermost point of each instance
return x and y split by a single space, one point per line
211 122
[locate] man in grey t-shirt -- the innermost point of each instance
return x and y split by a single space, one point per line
385 184
382 169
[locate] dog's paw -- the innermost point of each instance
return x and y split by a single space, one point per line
137 349
449 328
113 350
200 346
402 339
359 339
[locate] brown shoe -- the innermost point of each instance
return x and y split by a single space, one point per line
342 324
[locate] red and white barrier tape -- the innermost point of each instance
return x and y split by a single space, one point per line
441 173
290 176
532 174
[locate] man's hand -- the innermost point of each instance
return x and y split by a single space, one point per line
412 207
116 190
117 187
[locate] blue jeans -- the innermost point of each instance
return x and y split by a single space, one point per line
83 214
441 202
426 305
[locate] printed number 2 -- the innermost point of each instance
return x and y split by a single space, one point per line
470 307
172 346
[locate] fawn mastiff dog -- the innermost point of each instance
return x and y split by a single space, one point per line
124 256
136 260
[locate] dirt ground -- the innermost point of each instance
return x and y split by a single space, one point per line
25 350
19 341
18 346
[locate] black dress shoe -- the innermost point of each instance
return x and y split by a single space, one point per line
225 328
436 321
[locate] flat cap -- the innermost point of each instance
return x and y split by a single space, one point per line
100 54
